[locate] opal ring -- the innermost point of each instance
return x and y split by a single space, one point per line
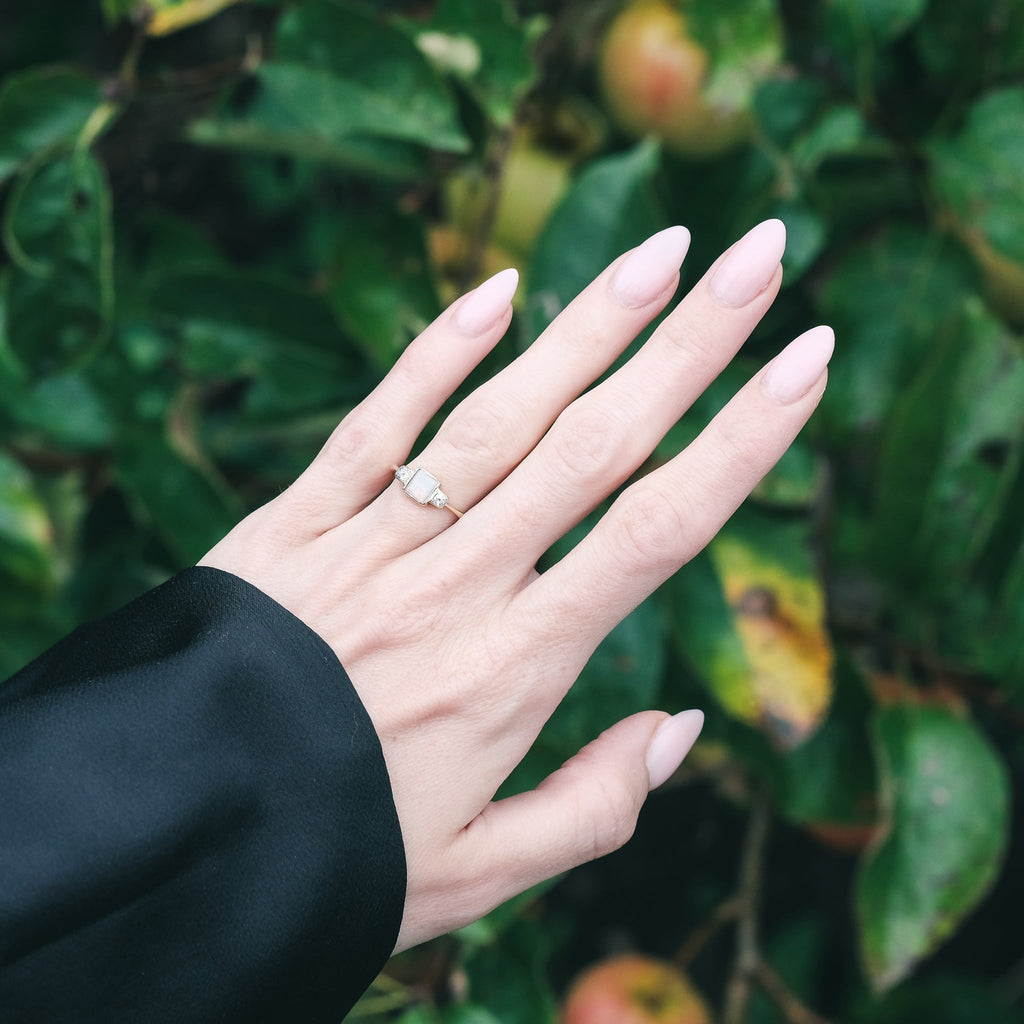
424 488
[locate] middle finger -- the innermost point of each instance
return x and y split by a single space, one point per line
604 436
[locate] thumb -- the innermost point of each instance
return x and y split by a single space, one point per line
586 809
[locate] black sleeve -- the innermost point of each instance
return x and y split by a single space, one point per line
196 821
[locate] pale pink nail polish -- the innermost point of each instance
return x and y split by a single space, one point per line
749 266
670 743
481 308
650 268
799 366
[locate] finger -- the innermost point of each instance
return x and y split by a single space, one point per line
352 468
586 809
661 522
492 429
601 439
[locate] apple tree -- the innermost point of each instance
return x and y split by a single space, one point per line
222 221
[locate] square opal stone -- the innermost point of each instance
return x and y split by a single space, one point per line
421 486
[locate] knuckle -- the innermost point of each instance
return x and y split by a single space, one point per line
652 526
585 442
740 449
583 334
702 342
615 825
482 431
352 440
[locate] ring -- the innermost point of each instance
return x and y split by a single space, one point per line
424 488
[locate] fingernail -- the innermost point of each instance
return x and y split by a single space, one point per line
650 268
481 308
749 266
798 367
670 743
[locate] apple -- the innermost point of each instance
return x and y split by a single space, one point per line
532 183
633 989
451 252
514 201
658 79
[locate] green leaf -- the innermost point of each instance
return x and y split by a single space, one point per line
829 782
42 110
379 279
840 130
279 335
972 45
320 103
64 410
916 281
115 10
885 18
344 87
795 481
28 558
941 1000
480 43
787 105
941 486
59 235
945 804
980 172
173 494
512 972
611 207
806 236
269 134
462 1014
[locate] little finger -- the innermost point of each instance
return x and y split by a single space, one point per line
661 522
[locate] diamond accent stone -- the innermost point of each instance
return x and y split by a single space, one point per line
403 474
440 499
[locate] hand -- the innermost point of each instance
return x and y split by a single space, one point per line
458 648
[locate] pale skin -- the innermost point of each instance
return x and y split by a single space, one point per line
458 648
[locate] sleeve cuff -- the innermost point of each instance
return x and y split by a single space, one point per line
201 819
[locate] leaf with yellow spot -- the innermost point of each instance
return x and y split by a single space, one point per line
172 15
165 16
778 613
751 621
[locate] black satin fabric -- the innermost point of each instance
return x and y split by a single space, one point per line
196 821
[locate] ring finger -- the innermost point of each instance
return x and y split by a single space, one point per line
603 437
491 431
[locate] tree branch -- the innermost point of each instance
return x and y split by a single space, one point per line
748 957
782 996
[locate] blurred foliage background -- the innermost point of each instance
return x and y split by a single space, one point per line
223 220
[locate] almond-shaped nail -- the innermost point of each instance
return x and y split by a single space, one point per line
748 267
670 743
482 307
799 366
650 268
